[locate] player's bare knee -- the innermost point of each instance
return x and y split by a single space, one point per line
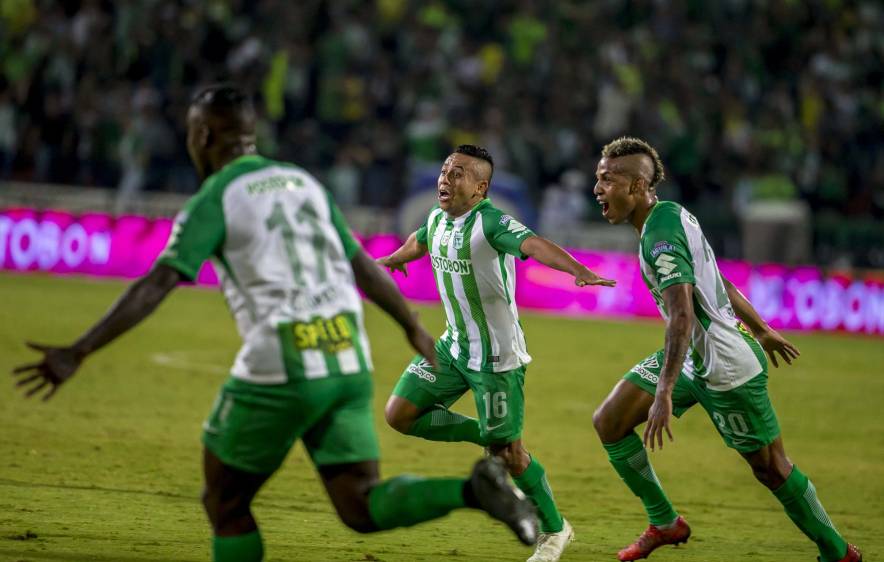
396 418
604 424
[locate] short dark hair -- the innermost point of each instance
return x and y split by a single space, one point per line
477 152
223 99
624 146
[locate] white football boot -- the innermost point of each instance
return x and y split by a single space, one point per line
551 545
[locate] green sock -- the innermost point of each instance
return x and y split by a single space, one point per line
241 548
535 485
798 497
404 501
630 460
441 424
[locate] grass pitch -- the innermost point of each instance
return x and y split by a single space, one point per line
109 470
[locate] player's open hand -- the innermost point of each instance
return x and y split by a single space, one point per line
392 265
774 343
658 420
587 277
58 365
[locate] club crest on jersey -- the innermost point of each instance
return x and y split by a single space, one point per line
458 240
660 247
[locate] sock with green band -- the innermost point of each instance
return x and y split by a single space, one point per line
535 485
239 548
441 424
630 459
799 499
404 501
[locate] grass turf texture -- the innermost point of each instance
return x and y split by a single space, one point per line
109 470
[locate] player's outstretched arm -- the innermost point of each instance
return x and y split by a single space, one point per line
408 252
378 286
551 255
680 307
60 363
770 339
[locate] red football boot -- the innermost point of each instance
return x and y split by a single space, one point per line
853 555
654 538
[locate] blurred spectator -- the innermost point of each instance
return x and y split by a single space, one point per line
744 100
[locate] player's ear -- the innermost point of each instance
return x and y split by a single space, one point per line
203 135
482 188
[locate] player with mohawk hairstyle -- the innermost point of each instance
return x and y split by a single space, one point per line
709 358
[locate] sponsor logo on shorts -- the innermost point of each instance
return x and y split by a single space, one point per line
445 265
643 369
675 275
420 370
493 358
645 374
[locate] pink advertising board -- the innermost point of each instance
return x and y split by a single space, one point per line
803 298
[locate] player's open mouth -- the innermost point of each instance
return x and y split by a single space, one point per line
605 207
444 195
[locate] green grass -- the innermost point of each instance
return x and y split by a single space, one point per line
109 470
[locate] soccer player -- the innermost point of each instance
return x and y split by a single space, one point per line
289 267
708 358
472 247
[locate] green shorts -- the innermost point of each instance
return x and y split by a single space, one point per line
499 397
252 427
743 416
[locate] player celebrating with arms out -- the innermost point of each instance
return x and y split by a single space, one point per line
472 246
708 357
289 268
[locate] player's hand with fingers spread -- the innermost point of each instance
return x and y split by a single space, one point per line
58 365
393 265
774 343
586 277
658 420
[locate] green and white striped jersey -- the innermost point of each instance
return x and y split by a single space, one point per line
474 265
282 250
673 250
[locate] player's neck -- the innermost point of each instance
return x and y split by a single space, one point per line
641 213
454 214
230 153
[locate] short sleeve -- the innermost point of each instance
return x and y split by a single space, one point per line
506 234
197 234
351 245
421 235
666 251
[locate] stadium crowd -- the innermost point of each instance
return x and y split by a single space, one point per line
745 99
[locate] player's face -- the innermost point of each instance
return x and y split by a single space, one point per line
197 132
614 190
459 186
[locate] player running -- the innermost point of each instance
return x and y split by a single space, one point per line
289 268
472 247
709 358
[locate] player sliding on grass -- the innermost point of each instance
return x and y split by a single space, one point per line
708 358
471 245
289 268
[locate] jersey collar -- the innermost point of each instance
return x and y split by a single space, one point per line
647 218
480 205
